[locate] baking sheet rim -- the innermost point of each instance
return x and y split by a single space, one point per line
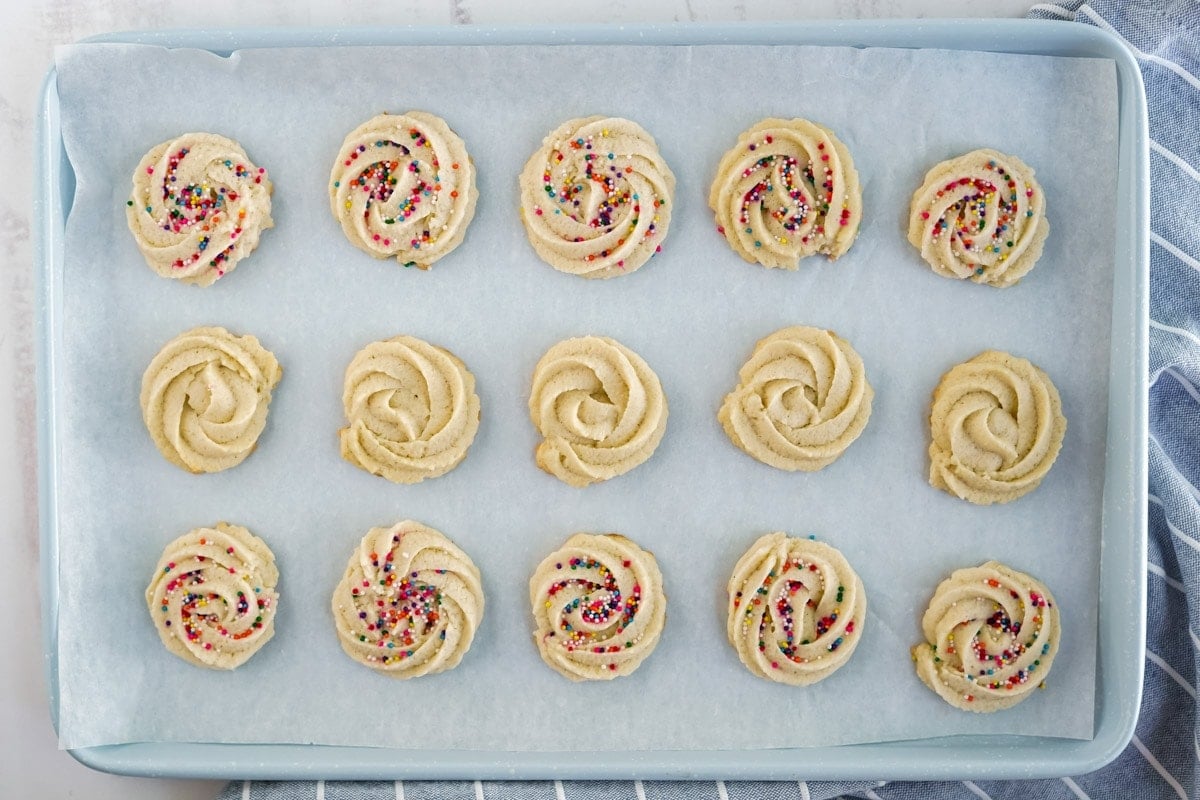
1123 564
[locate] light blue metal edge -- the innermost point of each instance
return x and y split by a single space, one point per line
51 194
1122 601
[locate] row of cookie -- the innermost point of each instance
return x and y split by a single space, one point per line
412 411
411 600
596 200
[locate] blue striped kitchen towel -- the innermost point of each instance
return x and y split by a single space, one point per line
1162 759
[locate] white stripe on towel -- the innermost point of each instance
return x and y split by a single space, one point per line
1171 65
722 794
1188 386
1176 160
1189 541
1175 251
1165 667
1074 787
975 790
1159 768
1172 329
639 790
1162 573
559 794
1057 11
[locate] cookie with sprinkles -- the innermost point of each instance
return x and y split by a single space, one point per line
409 603
596 197
801 400
403 187
996 427
598 607
205 398
991 634
198 207
212 598
980 216
787 190
796 609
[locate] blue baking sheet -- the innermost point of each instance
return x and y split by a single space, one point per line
1122 604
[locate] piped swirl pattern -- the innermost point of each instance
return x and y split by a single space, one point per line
403 187
198 207
801 400
598 607
980 216
991 634
212 598
787 190
596 197
409 603
996 426
205 398
411 410
599 408
796 609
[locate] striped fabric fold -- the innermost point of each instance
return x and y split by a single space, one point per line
1163 760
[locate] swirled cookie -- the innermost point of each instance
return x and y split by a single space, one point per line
198 207
991 634
205 398
598 607
801 400
403 186
599 408
596 197
411 410
980 216
997 426
212 598
409 603
796 609
787 189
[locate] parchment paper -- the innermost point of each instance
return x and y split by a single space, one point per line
694 313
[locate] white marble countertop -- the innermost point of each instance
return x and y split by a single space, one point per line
30 763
